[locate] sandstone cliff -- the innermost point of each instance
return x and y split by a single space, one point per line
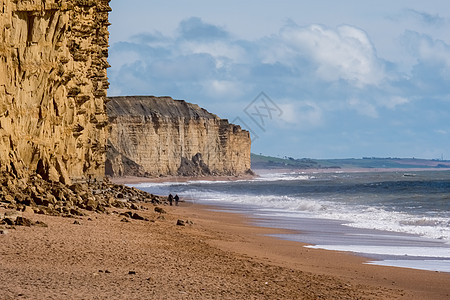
158 136
53 88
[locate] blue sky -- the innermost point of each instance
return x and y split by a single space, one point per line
318 79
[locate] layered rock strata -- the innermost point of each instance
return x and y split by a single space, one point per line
53 88
159 136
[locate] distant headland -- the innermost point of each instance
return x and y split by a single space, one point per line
259 161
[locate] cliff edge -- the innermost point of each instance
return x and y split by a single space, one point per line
160 136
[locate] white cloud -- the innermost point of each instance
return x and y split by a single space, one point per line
393 102
424 47
303 115
329 65
434 50
223 88
342 53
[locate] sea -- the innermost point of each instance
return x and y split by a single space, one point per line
394 218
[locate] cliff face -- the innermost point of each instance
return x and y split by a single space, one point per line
157 136
53 88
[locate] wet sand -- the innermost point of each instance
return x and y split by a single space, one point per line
219 256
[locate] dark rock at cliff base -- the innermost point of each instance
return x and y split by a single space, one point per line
118 164
193 167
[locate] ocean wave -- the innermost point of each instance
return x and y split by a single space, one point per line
273 177
357 216
284 177
434 252
352 210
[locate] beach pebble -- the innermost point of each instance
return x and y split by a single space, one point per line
40 224
21 221
132 273
126 214
8 221
181 223
28 210
160 210
137 217
3 231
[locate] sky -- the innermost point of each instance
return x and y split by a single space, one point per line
315 79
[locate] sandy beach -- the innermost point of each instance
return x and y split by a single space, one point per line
216 255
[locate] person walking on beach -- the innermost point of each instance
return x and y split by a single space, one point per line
176 199
170 199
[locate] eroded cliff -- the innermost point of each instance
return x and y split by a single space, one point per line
158 136
53 88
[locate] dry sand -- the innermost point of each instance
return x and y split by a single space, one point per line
219 256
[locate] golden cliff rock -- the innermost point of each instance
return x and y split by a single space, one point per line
53 88
159 136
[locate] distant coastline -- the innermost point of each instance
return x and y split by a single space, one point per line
407 171
370 163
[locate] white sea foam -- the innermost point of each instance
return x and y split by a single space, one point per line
431 252
284 177
357 216
264 177
429 265
380 219
182 183
352 214
157 184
